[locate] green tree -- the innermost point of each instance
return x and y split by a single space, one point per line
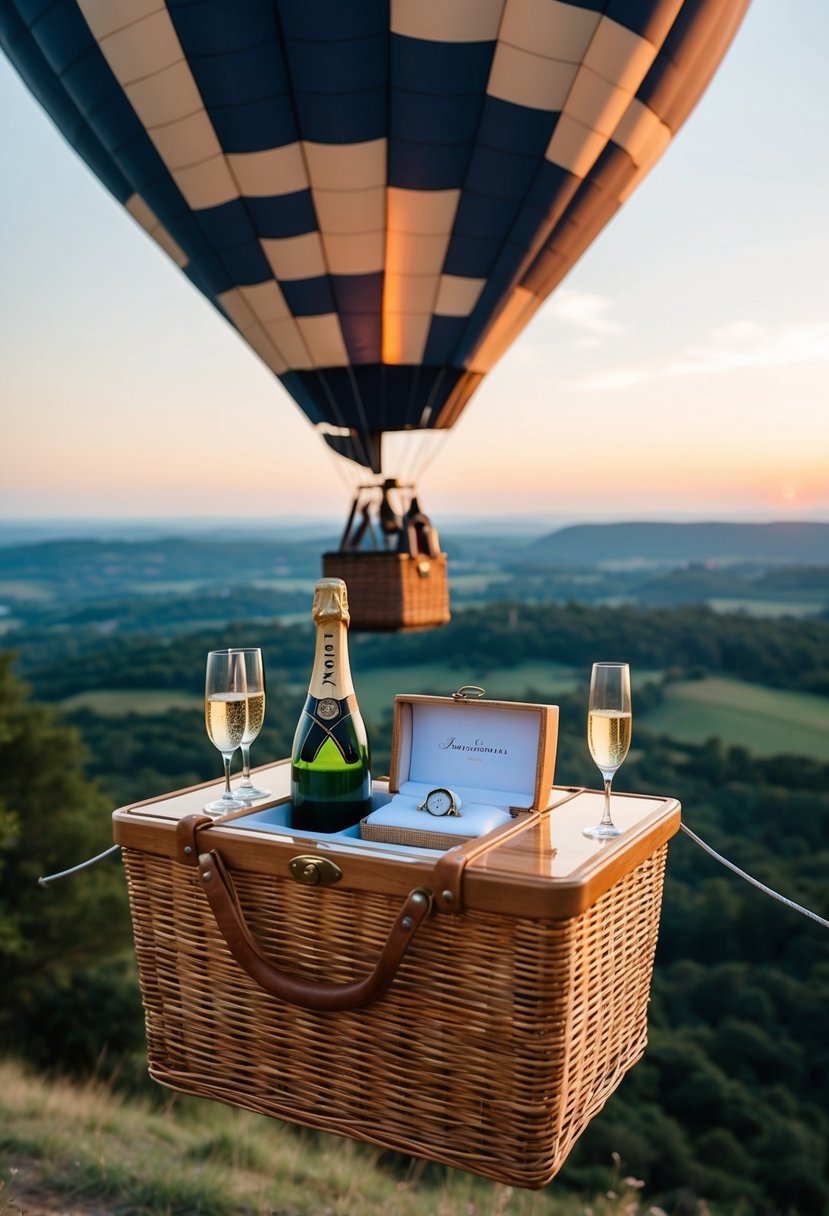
52 940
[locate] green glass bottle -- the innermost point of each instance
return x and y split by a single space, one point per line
330 760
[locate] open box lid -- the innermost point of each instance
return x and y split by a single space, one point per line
501 753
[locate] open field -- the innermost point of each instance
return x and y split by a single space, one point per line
806 605
113 702
767 721
548 680
179 586
470 584
809 604
376 687
22 589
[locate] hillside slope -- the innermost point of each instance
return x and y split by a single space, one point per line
80 1151
700 542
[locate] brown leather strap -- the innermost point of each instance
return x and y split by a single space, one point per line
447 875
186 832
307 994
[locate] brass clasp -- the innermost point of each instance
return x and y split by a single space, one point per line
314 871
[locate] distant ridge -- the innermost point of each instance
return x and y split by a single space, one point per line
679 543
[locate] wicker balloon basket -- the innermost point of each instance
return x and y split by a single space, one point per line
391 591
475 1007
391 561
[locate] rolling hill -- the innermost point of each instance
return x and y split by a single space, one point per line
677 543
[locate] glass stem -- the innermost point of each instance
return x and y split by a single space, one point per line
245 764
606 820
227 757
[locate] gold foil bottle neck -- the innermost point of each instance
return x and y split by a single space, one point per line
330 601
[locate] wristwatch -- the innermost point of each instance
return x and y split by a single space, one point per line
441 801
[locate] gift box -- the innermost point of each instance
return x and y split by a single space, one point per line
462 766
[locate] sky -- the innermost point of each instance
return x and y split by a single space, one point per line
681 371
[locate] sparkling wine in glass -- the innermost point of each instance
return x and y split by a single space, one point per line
226 715
255 673
609 725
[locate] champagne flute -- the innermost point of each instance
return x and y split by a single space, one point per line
225 715
609 725
255 673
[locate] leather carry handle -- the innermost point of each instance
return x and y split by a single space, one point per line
307 994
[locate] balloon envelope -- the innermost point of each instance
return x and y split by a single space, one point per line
378 196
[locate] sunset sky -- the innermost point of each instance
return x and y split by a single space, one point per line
681 370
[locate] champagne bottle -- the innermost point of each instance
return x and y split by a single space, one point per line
330 777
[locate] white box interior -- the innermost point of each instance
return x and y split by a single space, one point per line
486 755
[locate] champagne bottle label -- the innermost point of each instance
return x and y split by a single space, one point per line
325 721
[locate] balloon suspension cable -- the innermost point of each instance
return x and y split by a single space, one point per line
415 452
347 472
84 865
761 886
431 451
408 461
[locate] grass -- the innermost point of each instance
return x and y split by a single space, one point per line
22 589
376 687
286 584
82 1151
178 586
471 584
802 605
113 702
767 721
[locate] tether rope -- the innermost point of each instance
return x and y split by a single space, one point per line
84 865
706 848
754 882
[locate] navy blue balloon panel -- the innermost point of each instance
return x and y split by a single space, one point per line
378 196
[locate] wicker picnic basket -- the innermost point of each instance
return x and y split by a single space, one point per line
390 591
475 1007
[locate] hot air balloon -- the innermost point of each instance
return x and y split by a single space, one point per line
377 194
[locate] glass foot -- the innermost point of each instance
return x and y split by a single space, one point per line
224 804
602 831
250 793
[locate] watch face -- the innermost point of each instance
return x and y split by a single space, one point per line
439 802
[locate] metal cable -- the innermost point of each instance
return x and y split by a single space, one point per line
729 865
84 865
754 882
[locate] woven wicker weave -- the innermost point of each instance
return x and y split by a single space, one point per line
497 1042
388 591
